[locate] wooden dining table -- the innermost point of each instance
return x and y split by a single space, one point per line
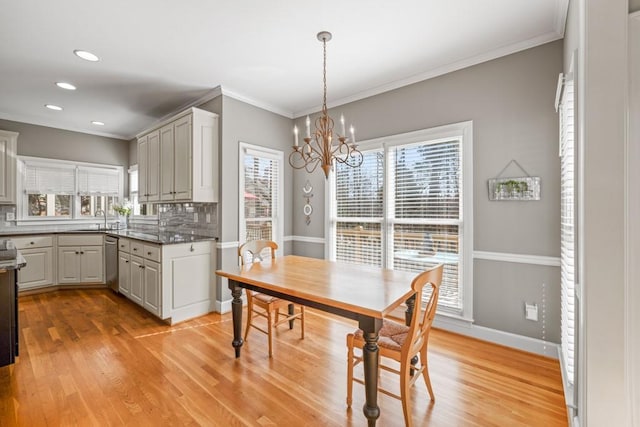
362 293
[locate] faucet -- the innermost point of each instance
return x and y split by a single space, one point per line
102 212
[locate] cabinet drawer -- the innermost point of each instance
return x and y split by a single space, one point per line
80 240
137 248
152 252
124 245
29 242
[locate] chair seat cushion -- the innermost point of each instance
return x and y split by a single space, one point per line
392 335
267 299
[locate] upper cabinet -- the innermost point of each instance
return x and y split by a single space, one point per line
8 152
178 160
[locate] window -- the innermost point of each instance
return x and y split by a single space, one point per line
567 230
59 189
260 198
403 209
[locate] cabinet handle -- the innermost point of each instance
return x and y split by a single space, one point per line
135 249
32 243
148 253
191 249
126 262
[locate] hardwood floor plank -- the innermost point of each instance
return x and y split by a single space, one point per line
93 358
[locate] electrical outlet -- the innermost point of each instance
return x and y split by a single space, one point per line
531 311
11 216
208 218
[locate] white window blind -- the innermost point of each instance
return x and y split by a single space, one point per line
412 222
98 181
359 210
567 229
425 212
261 194
45 179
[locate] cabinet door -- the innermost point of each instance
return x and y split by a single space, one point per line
143 166
39 268
8 166
166 162
182 171
69 264
152 287
124 274
92 264
137 279
153 167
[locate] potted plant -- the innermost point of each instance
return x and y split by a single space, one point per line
123 211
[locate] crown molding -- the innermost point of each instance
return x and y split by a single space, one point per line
256 103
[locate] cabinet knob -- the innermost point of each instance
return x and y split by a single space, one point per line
126 262
32 243
148 253
81 252
135 249
77 253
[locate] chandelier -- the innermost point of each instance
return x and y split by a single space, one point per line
321 148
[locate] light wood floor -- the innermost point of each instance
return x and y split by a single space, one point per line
90 357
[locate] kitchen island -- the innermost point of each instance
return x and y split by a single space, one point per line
9 345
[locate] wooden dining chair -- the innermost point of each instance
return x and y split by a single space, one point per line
401 343
263 305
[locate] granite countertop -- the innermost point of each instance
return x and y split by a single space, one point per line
158 237
13 264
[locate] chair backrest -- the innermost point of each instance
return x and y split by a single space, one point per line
251 251
421 321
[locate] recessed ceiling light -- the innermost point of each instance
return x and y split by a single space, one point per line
67 86
88 56
53 107
97 123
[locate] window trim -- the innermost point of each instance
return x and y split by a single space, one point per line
462 131
245 148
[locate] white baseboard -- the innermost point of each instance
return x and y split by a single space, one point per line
508 339
464 327
223 307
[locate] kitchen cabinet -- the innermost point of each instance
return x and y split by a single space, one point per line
80 258
187 285
8 161
174 282
149 167
187 167
37 250
140 270
9 331
124 274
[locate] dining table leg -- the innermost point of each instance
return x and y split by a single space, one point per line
236 313
370 328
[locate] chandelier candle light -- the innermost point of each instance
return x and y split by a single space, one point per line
321 148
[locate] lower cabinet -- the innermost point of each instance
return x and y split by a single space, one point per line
124 273
38 252
80 258
171 281
140 274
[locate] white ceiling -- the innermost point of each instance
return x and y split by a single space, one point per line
158 56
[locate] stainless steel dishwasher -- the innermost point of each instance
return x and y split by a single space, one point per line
111 262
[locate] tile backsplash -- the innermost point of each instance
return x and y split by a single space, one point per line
4 210
197 218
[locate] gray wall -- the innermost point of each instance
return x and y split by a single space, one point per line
634 5
42 141
241 122
510 101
